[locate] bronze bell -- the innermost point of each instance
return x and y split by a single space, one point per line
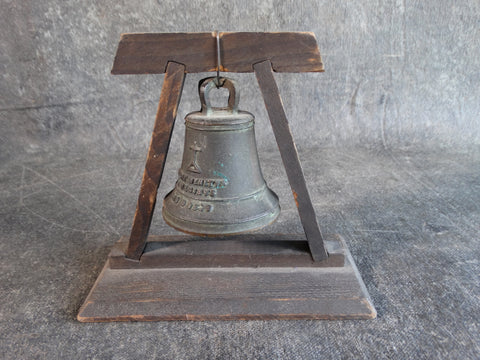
220 188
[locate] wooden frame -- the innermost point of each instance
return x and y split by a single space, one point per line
176 54
179 259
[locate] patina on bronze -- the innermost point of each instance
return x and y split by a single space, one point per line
220 188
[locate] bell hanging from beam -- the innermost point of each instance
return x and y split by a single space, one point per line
220 188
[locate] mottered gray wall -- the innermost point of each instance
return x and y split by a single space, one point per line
398 73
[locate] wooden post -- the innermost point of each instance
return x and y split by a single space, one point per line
162 133
288 151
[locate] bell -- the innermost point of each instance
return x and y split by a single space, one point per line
220 188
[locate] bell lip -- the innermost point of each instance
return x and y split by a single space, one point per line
274 216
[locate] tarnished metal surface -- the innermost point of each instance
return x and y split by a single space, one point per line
220 188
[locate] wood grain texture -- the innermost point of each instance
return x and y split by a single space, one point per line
149 53
160 141
262 250
289 154
228 294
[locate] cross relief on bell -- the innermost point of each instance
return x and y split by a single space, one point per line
193 167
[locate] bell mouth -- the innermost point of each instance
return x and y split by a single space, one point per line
219 229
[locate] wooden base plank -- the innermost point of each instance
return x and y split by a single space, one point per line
234 293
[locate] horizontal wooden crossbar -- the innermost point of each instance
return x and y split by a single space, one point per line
244 250
149 53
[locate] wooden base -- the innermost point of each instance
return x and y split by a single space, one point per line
200 289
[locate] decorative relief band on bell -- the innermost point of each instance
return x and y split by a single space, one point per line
200 186
196 190
191 205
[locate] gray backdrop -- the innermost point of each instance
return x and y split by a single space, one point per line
398 73
388 137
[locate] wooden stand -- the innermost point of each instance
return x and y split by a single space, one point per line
252 276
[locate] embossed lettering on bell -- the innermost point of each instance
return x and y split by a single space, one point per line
220 188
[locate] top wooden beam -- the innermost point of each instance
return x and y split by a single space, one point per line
149 53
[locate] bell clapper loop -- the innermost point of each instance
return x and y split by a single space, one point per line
207 84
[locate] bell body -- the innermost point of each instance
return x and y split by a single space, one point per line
220 188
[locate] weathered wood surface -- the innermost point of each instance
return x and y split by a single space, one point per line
160 141
228 293
261 250
150 53
289 154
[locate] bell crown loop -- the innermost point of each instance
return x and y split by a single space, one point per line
206 85
210 118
